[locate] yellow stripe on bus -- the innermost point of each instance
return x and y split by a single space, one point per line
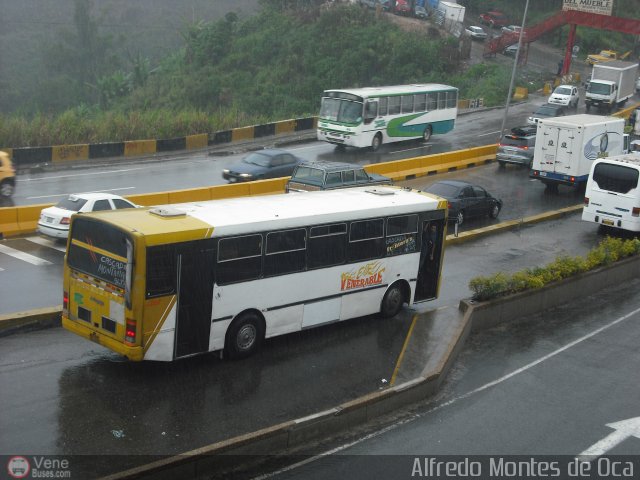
98 250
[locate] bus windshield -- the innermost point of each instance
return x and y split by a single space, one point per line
341 110
99 250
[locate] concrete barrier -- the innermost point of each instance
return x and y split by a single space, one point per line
135 148
69 153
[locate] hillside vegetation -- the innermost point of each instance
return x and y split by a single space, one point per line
237 70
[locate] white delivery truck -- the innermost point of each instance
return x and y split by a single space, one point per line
612 196
611 85
566 147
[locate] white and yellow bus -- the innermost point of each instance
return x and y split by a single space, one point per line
369 117
167 282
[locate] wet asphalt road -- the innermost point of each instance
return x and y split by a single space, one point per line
546 388
69 396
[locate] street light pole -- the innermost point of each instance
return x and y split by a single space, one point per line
513 71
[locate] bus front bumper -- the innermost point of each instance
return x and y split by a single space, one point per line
135 354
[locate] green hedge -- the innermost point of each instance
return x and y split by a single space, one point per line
500 284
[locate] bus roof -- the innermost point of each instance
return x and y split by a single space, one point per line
239 215
368 92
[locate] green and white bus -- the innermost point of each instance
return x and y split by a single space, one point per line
369 117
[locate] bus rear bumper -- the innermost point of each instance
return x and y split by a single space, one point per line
135 354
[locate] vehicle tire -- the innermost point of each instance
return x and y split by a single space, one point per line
502 164
340 148
460 217
587 107
376 142
6 189
426 135
494 211
392 301
244 336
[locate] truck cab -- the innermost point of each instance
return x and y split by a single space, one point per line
601 94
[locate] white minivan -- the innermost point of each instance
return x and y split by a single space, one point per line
612 196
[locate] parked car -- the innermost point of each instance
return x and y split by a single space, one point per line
325 175
511 29
546 111
54 221
475 32
402 8
566 95
517 146
421 12
261 164
638 85
494 19
466 200
7 175
511 50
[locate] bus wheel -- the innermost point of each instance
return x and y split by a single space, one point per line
244 336
426 135
392 301
376 142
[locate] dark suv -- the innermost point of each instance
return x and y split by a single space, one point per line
518 146
324 175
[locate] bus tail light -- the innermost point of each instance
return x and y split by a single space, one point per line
65 301
586 201
635 212
130 332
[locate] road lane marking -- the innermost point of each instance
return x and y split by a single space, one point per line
23 256
404 348
92 191
45 242
122 170
490 133
464 396
414 148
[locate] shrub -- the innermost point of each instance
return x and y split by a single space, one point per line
608 251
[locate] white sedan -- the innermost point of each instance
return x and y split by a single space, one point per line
476 33
511 29
54 221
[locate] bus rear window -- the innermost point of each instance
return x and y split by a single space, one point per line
98 250
615 178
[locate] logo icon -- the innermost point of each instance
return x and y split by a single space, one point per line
18 467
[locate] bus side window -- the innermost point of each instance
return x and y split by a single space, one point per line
161 271
371 112
239 259
382 106
327 245
366 240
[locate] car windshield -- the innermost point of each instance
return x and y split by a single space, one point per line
73 204
563 91
546 111
341 110
475 29
599 88
259 159
443 190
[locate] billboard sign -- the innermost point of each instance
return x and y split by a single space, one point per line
603 7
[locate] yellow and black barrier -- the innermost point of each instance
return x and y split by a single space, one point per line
28 157
23 220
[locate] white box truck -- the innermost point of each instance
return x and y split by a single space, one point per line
566 147
611 85
612 196
451 12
